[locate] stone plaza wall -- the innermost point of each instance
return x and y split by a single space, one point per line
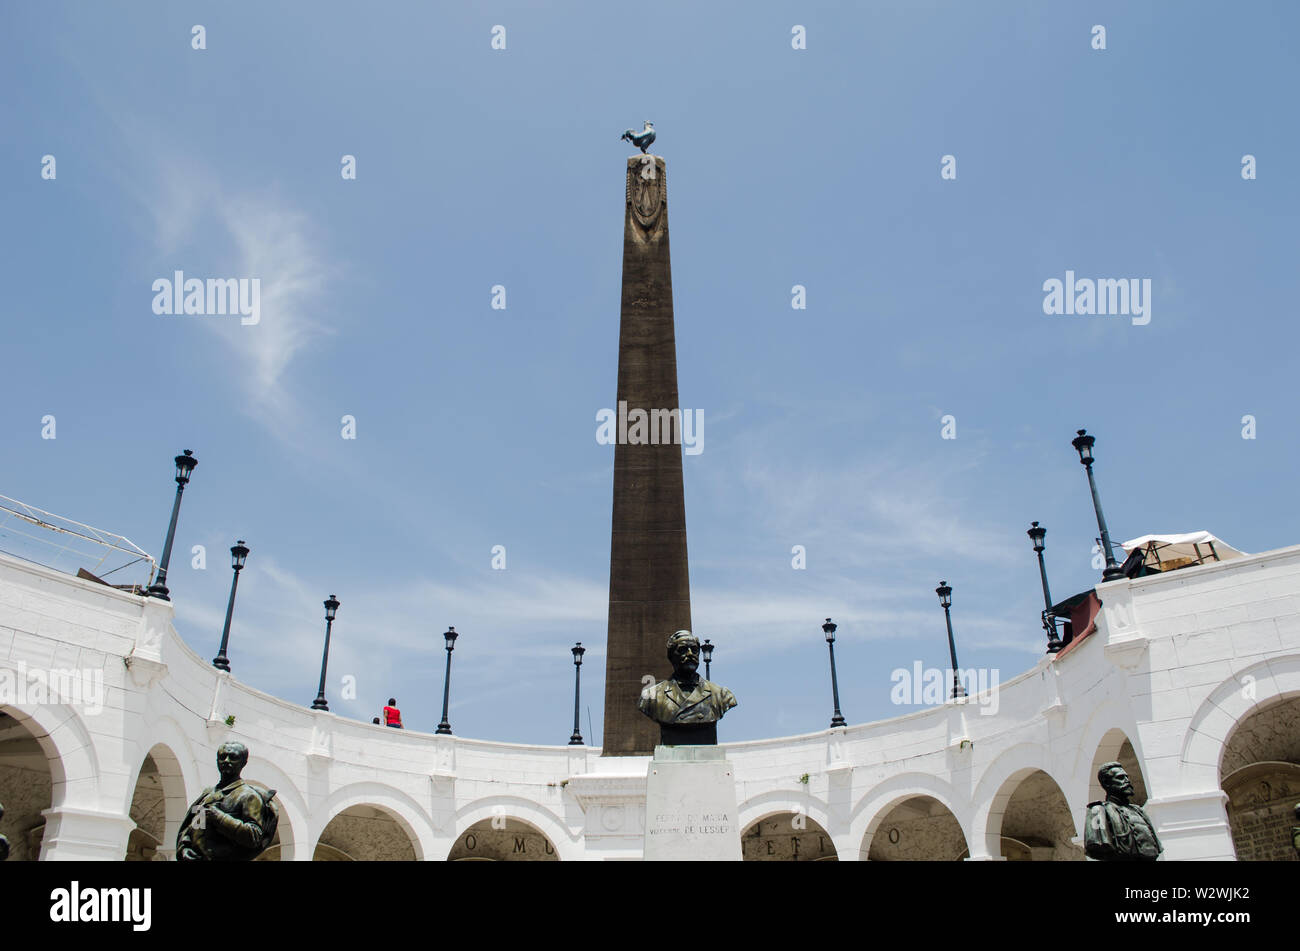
1176 663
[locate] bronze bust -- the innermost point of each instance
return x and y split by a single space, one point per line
686 706
1116 830
233 821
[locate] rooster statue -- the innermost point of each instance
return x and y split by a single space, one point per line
643 140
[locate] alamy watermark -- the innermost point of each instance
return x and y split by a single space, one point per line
214 297
82 687
933 685
656 427
1106 296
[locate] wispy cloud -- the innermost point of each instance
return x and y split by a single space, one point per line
210 230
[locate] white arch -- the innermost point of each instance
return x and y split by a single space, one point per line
779 802
176 800
996 787
1113 714
404 810
878 801
69 749
296 834
1227 705
166 732
513 807
1107 751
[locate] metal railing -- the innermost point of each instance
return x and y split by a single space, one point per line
63 544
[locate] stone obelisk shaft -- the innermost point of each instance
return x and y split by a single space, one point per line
649 585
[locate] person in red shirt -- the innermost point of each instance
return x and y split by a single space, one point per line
392 715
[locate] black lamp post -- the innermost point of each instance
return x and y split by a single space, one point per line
1037 535
450 636
945 598
331 609
706 651
184 466
578 651
829 630
238 554
1083 443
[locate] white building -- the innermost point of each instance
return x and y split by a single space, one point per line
1190 677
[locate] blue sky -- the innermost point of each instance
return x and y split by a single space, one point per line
476 427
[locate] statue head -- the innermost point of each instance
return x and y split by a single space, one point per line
684 652
232 757
1114 779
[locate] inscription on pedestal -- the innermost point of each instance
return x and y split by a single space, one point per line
691 812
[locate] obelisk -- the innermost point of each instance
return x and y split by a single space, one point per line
649 585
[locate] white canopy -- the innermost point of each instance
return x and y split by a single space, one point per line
1190 547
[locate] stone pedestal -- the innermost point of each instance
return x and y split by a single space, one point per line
691 812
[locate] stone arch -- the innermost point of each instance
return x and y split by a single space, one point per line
157 804
790 835
998 785
383 801
1260 776
69 750
881 800
1101 724
782 802
503 838
1115 746
529 813
293 833
1037 819
1205 741
47 761
915 828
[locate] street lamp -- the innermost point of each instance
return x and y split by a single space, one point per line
238 554
331 609
945 598
578 651
184 466
450 637
706 652
829 630
1083 443
1037 535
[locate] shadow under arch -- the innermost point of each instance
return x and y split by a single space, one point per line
157 805
368 804
779 802
1109 716
47 761
1259 772
539 817
365 832
68 747
914 828
1116 747
879 801
787 836
1035 815
1205 742
999 783
291 834
503 838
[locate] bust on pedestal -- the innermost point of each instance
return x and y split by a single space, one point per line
691 812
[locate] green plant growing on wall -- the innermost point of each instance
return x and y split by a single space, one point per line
804 779
230 720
